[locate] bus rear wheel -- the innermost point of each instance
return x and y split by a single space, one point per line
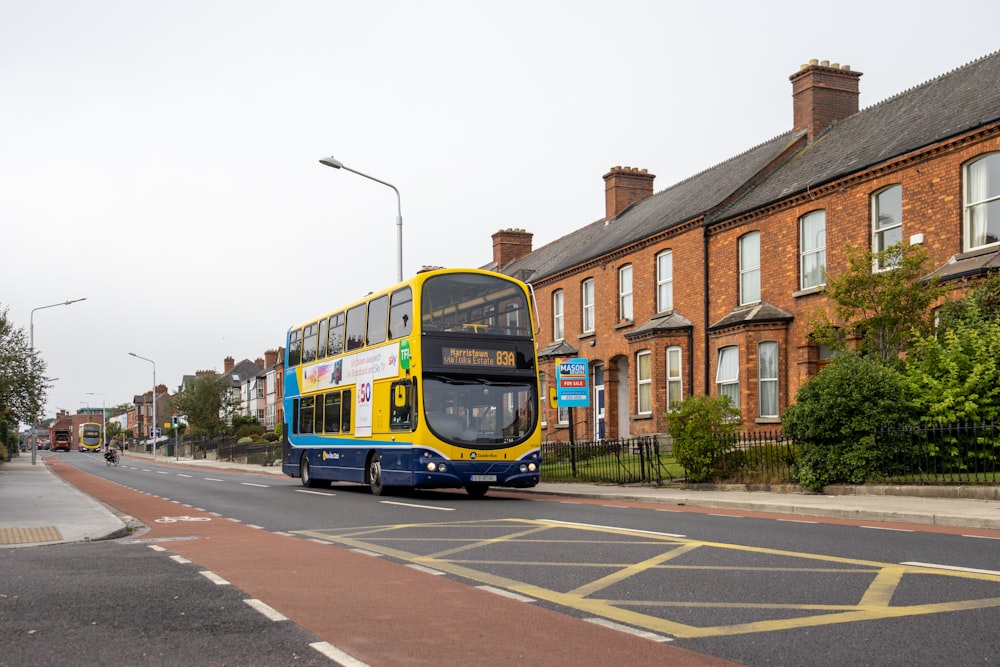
477 490
306 475
375 475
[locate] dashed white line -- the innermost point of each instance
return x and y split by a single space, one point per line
316 493
895 530
263 486
594 525
338 656
628 630
954 568
268 611
427 570
507 594
214 578
365 552
422 507
180 474
212 479
179 559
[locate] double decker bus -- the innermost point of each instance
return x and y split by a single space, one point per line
432 383
90 437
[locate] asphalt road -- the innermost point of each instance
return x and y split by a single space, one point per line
440 578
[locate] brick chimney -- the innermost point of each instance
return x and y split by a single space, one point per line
624 186
822 94
510 244
227 364
270 358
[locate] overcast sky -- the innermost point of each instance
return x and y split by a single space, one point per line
161 158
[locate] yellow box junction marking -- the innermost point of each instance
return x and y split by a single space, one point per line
873 604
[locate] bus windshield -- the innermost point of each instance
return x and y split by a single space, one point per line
474 303
478 413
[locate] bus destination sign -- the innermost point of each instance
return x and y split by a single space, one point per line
479 357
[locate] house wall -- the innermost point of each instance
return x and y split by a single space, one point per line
932 205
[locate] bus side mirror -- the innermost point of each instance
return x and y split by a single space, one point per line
553 402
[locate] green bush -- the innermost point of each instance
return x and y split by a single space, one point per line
699 426
835 414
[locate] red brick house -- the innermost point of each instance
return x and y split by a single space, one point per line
707 286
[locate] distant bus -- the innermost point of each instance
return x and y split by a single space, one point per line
432 383
90 437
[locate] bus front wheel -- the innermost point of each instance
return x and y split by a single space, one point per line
477 490
375 475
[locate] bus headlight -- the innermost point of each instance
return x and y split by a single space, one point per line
431 466
532 467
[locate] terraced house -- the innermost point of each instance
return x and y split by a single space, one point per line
707 287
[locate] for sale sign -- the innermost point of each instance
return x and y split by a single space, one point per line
572 383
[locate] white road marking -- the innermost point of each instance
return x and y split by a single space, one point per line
269 612
421 568
179 559
422 507
214 578
507 594
628 630
895 530
212 479
594 525
338 656
316 493
263 486
955 568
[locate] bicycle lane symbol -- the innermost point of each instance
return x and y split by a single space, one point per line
175 519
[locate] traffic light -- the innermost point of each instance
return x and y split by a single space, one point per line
173 421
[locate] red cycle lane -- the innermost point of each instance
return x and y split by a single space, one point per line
380 612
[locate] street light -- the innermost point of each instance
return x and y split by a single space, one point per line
104 417
337 164
133 354
34 416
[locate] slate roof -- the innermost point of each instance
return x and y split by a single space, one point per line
951 104
760 312
677 204
956 102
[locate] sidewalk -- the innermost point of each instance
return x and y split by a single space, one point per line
38 507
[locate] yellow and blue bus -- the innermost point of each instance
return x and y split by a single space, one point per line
432 383
90 437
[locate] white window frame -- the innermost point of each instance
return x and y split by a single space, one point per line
644 382
727 373
587 305
981 197
625 306
674 373
887 225
767 378
665 281
750 268
812 250
558 329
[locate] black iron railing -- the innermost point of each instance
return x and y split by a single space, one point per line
612 461
962 453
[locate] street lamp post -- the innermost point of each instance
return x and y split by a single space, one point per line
337 164
154 399
104 417
31 335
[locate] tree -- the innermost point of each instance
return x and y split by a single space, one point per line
834 416
880 309
956 373
699 426
22 374
206 403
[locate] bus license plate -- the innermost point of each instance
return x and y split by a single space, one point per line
483 478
